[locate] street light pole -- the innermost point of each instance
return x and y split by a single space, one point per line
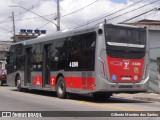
14 32
58 16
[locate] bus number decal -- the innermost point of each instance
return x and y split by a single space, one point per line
73 64
126 65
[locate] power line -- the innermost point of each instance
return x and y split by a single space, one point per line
5 29
74 12
26 18
119 10
70 13
53 14
138 15
117 15
79 9
32 7
36 14
94 20
4 34
133 10
5 19
63 15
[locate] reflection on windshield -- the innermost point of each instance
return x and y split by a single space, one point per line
125 35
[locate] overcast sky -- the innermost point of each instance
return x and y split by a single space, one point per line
47 8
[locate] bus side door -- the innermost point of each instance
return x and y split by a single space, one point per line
28 67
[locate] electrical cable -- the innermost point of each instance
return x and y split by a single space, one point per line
137 16
5 34
120 10
117 15
32 7
70 13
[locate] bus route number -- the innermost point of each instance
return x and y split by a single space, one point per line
73 64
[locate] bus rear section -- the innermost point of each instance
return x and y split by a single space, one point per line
124 61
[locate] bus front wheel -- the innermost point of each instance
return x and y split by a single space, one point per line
61 88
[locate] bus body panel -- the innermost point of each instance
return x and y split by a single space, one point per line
11 78
104 71
79 80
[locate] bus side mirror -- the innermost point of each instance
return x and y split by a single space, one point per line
56 59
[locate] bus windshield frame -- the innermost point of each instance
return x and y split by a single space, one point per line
125 36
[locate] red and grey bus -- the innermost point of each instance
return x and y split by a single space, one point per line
98 60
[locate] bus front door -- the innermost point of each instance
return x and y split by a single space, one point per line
46 68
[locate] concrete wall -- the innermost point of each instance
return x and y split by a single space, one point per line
154 38
153 84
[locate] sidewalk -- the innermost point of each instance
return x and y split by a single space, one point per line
140 96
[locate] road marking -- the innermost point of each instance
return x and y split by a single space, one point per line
110 106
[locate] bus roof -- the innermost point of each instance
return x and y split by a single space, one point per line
67 33
59 34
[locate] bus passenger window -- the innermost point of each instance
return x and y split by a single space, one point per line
82 51
58 54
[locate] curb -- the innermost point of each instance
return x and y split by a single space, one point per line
147 99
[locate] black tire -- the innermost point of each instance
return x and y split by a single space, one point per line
61 88
18 83
102 95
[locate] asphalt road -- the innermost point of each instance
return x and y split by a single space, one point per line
12 100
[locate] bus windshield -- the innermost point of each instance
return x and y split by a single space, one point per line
125 42
124 36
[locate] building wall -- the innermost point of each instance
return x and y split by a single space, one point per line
154 38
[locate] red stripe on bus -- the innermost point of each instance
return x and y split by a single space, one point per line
53 81
80 82
37 80
71 82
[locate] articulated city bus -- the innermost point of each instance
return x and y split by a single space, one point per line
98 60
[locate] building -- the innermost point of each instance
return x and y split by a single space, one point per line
27 34
20 37
4 48
154 39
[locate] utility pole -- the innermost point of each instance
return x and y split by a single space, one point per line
14 31
58 16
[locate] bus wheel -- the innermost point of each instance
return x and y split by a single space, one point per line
18 83
61 88
102 95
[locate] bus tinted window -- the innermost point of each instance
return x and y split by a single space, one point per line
125 35
58 54
82 52
125 54
37 57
